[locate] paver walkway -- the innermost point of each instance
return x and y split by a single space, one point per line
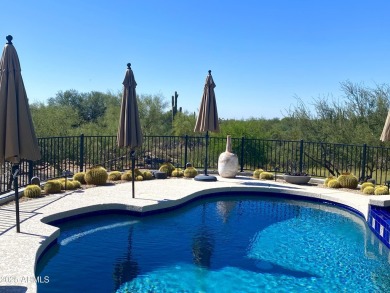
28 209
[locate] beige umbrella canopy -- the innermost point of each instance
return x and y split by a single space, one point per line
207 119
208 115
385 136
17 136
129 130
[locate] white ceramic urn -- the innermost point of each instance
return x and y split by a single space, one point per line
227 161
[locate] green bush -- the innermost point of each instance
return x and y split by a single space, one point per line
147 175
190 172
177 173
114 176
266 175
334 183
381 190
348 181
369 190
80 177
257 172
96 176
52 186
32 191
139 178
365 184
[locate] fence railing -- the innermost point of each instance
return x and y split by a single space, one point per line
79 153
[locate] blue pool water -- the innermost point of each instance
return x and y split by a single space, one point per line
222 244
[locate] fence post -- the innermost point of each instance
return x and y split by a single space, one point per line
81 153
364 159
242 154
30 170
301 156
185 151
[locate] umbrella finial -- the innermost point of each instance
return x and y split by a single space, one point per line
128 65
9 39
209 72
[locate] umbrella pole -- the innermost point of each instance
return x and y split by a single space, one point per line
15 171
205 160
205 176
132 154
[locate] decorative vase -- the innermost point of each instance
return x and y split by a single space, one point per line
227 161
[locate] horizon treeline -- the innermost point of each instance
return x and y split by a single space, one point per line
356 117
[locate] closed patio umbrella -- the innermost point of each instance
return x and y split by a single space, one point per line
385 136
17 135
207 120
129 130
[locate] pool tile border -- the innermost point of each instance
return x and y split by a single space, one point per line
379 223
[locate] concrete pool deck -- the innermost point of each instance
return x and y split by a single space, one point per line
20 251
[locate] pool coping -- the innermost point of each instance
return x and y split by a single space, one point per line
21 251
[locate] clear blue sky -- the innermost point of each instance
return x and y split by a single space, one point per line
262 54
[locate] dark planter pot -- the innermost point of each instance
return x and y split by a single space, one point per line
160 175
296 179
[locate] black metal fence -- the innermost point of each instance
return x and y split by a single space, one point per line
79 153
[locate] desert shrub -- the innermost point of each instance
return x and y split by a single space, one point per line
334 183
164 168
80 177
32 191
126 176
167 168
365 184
76 184
348 181
67 185
266 175
328 179
137 172
177 173
257 172
369 190
147 175
52 186
190 172
96 176
381 190
114 176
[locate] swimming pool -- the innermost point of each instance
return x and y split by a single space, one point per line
219 244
